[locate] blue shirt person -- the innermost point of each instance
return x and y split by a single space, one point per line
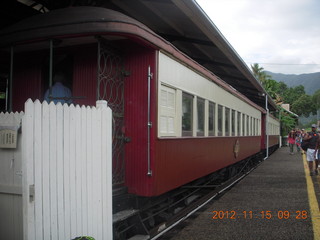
59 92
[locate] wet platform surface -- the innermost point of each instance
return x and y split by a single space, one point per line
278 200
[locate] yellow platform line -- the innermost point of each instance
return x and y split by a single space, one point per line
314 206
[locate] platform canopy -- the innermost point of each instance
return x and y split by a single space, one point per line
181 22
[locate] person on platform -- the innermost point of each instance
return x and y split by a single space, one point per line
291 140
298 140
312 138
59 92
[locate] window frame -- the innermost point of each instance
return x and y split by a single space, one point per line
200 132
188 132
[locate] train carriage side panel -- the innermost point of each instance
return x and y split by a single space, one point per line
136 114
27 79
180 159
263 131
274 131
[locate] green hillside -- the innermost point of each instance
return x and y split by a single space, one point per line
310 81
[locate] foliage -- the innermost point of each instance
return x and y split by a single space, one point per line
287 123
304 106
2 95
291 95
300 102
316 99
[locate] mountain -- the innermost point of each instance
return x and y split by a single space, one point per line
310 81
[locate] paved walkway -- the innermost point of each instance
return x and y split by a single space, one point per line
272 202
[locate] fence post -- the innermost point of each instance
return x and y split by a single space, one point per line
27 171
106 143
102 104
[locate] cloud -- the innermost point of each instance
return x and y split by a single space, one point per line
274 33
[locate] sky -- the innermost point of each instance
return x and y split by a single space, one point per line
282 36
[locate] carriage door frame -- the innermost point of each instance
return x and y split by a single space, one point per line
110 87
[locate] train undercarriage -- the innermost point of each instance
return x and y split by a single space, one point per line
147 217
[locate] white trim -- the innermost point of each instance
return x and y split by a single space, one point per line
175 75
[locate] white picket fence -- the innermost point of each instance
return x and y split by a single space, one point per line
67 171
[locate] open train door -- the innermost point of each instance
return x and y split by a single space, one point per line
111 88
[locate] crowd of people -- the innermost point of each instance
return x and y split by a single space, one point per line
306 143
295 138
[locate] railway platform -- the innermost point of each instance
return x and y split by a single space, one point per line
278 200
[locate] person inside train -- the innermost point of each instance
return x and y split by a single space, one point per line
312 138
59 92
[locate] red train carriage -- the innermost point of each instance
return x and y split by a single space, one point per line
174 121
273 132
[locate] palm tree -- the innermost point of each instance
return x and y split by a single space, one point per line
267 82
256 69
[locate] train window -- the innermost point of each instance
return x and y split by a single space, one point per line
233 122
227 122
244 124
212 110
239 123
167 111
200 115
251 126
256 129
248 126
187 114
220 111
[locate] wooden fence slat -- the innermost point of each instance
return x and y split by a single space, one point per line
72 172
78 167
66 174
38 170
46 172
83 155
90 170
60 173
98 163
95 168
107 172
27 177
53 170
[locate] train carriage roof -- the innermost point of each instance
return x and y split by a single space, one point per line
181 22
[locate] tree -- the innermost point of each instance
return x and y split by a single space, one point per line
287 123
316 98
281 88
259 73
275 90
293 94
271 86
304 105
256 69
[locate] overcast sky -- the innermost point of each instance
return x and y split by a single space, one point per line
283 36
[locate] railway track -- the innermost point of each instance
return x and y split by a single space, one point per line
150 218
